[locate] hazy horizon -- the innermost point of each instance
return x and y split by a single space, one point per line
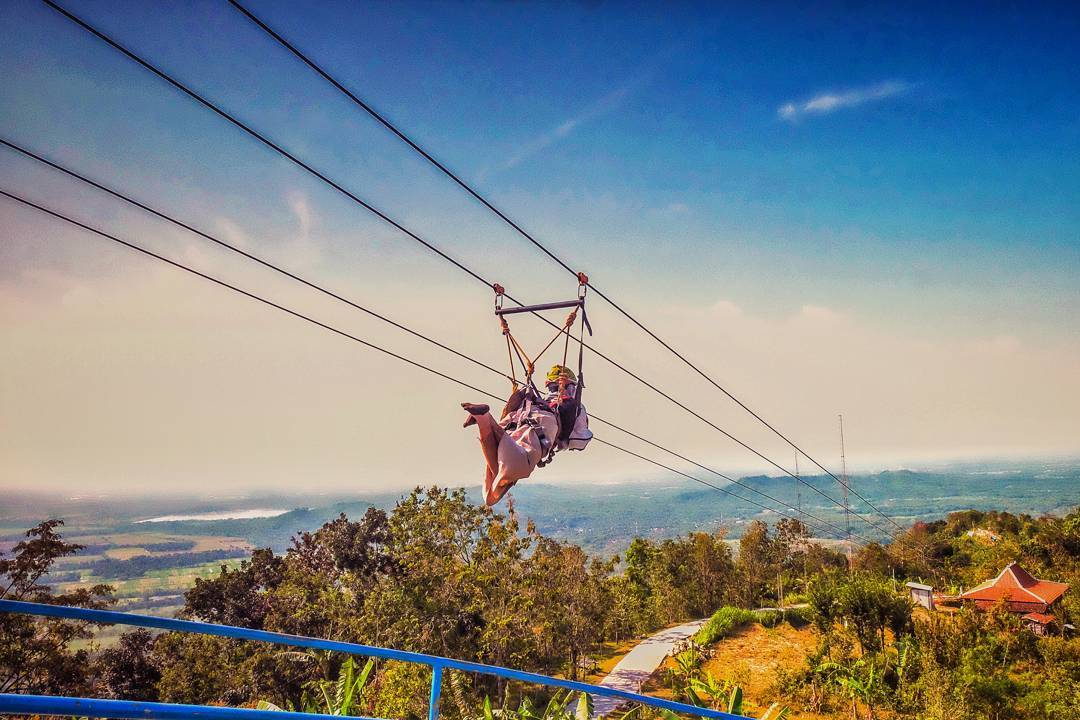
659 479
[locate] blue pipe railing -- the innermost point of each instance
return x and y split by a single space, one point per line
90 707
123 709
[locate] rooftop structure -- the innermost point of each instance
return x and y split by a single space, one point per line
921 594
1022 592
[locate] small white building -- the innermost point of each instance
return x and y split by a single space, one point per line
982 534
922 594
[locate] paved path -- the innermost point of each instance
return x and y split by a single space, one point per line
638 664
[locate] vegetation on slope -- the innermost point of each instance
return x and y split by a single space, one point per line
439 575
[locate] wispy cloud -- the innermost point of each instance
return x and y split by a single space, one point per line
298 203
302 250
829 102
604 105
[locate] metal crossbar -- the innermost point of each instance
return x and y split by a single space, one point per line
540 308
89 707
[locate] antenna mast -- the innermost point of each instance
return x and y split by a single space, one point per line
798 483
844 484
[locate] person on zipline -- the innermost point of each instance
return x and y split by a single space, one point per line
529 430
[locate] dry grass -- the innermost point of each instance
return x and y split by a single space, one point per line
609 657
73 562
125 553
751 657
137 539
606 657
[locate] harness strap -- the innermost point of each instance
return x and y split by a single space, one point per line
581 355
510 356
526 364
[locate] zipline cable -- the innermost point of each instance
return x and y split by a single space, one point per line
351 303
240 251
378 213
528 236
243 292
342 333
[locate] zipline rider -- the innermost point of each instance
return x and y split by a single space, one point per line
533 426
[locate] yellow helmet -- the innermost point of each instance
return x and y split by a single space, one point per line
558 371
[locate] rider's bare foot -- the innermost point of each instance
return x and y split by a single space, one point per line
473 409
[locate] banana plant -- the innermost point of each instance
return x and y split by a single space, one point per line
347 689
776 711
709 691
584 707
332 697
734 704
857 683
687 667
557 708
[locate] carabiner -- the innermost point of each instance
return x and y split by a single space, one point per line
583 285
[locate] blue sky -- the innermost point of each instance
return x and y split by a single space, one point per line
913 171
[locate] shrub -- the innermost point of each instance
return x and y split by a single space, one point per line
798 618
770 618
723 622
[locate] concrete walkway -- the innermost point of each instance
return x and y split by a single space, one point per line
638 664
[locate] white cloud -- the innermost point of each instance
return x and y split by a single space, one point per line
820 315
302 251
298 203
829 102
232 233
909 396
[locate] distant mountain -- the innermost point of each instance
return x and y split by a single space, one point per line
601 518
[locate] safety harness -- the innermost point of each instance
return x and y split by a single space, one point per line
532 396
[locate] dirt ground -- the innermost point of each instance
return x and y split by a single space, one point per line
750 657
605 658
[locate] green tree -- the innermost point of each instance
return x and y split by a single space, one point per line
128 670
873 606
757 563
237 597
35 653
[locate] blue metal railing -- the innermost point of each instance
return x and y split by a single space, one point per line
90 707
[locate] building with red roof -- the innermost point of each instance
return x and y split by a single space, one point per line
1021 591
1038 623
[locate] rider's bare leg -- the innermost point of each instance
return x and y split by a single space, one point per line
491 434
496 494
489 481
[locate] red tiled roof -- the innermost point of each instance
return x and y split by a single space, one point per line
1016 584
1041 618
